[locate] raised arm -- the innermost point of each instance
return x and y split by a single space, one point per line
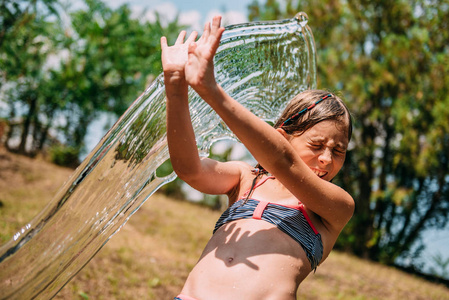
205 175
269 146
180 135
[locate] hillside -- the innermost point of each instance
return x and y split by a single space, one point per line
153 253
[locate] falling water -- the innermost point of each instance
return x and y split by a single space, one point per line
260 64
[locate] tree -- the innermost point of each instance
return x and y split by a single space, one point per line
25 43
113 57
16 14
100 63
390 59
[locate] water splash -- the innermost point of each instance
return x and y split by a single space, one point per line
260 64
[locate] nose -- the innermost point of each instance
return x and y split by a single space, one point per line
325 157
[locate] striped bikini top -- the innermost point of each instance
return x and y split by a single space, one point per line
291 219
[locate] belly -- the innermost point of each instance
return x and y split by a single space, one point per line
249 259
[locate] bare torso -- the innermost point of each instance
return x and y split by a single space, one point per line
253 259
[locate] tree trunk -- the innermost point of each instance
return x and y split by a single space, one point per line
363 218
26 125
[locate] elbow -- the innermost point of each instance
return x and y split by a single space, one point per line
186 174
351 205
193 179
350 208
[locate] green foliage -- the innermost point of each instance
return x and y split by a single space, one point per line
56 78
15 14
390 59
165 169
25 44
65 156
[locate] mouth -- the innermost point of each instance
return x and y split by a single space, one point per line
319 173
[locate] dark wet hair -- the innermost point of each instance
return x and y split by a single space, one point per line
329 108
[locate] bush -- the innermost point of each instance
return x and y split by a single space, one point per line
66 156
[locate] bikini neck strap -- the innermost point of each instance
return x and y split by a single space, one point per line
255 186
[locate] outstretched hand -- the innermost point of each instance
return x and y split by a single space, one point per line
174 58
199 70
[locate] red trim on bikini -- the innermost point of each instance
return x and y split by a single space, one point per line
257 214
303 210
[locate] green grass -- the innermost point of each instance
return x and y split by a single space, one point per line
153 253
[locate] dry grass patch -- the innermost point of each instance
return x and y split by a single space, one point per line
26 186
343 276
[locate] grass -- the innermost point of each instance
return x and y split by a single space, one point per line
152 255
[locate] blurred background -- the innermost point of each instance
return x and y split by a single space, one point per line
69 69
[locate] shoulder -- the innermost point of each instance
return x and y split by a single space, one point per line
245 178
244 171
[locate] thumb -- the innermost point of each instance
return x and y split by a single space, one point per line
163 42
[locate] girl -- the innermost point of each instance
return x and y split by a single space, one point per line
278 228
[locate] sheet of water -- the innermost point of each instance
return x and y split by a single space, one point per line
260 64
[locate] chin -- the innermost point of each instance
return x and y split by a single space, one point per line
327 178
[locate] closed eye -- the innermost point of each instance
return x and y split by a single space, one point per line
316 146
339 151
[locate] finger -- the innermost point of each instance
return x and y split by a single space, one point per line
216 39
216 21
206 31
191 53
181 37
192 37
163 43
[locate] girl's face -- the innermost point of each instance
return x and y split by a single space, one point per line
322 147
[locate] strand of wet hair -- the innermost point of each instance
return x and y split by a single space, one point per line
258 171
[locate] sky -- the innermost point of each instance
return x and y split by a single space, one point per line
193 12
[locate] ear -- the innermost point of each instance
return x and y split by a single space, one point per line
284 134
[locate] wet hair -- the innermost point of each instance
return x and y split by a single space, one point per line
330 108
304 111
